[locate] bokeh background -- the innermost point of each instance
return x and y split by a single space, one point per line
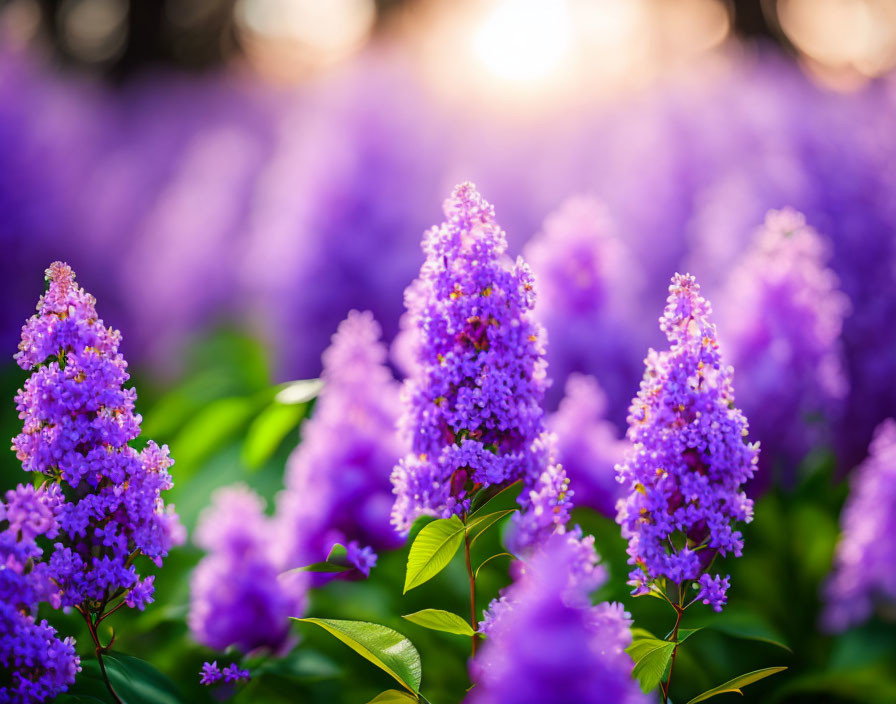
229 179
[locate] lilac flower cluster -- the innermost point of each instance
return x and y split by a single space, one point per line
473 402
212 674
337 479
688 459
238 596
38 663
77 422
588 445
579 654
864 571
588 285
781 315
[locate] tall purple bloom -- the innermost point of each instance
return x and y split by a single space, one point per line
588 444
588 284
38 665
238 596
865 561
780 317
546 642
689 457
77 422
473 404
337 479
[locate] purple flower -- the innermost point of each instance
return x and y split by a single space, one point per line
546 502
337 478
780 316
473 404
589 285
588 445
238 596
39 665
233 673
689 458
77 422
713 590
210 673
864 572
547 643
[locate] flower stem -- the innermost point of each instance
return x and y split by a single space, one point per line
679 611
100 649
473 622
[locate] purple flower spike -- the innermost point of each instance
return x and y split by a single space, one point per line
233 673
780 316
689 458
713 590
337 479
77 422
238 596
473 401
547 643
865 561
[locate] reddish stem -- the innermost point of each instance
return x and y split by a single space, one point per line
473 622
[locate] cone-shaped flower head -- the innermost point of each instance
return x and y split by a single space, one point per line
337 479
588 286
689 456
473 404
238 596
38 664
865 561
77 423
780 319
547 643
589 445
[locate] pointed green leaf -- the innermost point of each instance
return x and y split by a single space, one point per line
639 633
438 620
432 550
651 657
392 696
485 496
734 685
489 559
419 524
338 554
387 649
744 624
268 431
321 567
483 523
685 633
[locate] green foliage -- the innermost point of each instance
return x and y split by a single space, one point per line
392 696
489 559
439 620
433 549
387 649
269 429
336 562
135 681
651 657
734 685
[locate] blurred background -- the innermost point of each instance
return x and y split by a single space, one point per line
230 178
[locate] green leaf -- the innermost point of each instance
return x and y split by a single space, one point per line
387 649
419 524
215 426
432 550
483 523
337 561
744 624
135 681
485 496
392 696
685 633
651 657
639 633
438 620
489 559
735 684
268 430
